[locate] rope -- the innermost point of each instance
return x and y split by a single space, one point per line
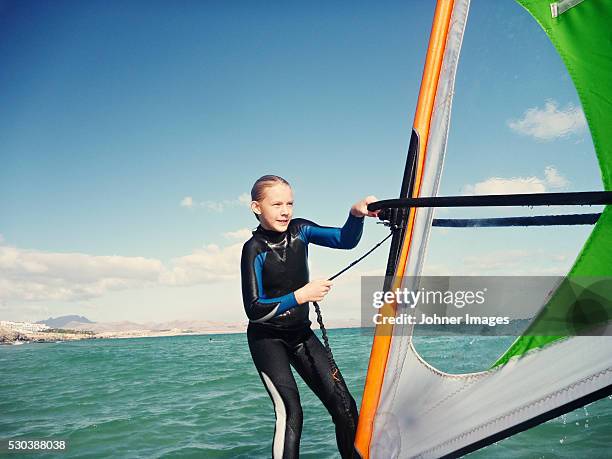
330 356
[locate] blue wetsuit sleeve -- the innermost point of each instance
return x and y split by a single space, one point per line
346 237
258 308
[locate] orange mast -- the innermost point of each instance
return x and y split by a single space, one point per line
422 119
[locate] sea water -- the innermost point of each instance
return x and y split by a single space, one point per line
200 396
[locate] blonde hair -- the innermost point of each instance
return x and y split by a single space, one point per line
263 182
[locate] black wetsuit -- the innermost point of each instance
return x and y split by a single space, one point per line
274 265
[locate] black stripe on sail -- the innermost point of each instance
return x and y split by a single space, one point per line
563 409
540 220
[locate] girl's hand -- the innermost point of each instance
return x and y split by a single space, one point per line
313 291
360 209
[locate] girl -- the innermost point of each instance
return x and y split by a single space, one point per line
276 293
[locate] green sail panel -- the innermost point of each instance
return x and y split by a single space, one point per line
583 38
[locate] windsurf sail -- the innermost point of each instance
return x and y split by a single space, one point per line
411 409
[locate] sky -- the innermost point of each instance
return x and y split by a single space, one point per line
131 134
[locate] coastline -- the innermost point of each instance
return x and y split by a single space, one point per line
122 330
12 337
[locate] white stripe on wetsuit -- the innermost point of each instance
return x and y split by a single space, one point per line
281 418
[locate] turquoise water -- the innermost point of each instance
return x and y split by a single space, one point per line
190 396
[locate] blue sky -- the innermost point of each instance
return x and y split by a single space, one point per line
131 131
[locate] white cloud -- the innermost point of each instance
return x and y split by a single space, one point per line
550 122
30 275
506 259
33 275
187 201
554 179
499 185
245 199
518 263
213 206
207 265
217 206
511 262
242 234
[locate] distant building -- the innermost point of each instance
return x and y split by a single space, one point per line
23 326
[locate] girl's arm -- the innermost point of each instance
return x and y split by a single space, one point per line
260 309
257 308
346 237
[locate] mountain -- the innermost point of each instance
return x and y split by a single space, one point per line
60 322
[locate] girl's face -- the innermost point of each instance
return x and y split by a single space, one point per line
276 208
